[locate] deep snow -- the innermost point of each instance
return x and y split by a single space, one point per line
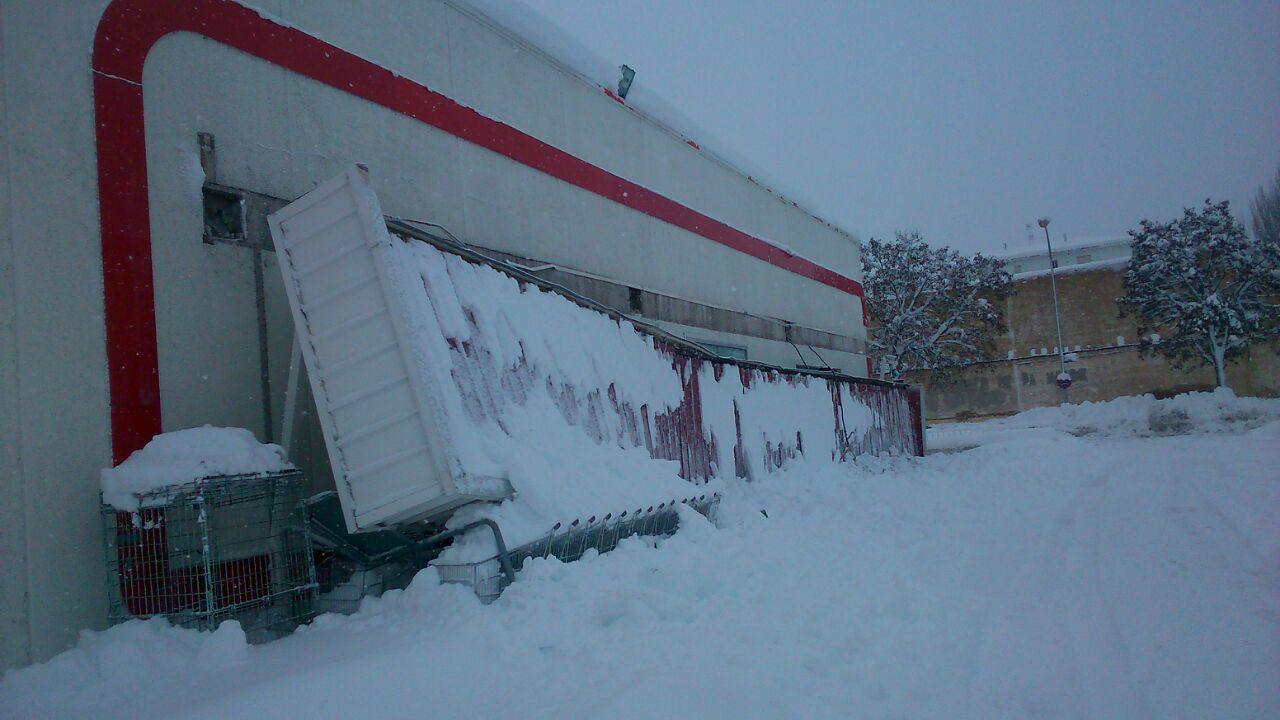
1040 574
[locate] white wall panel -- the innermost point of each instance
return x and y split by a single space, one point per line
280 134
14 628
61 387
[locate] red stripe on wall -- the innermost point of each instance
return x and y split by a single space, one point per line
128 297
125 35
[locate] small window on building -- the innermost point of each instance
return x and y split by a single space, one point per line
635 300
1055 262
733 352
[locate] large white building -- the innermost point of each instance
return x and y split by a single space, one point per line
143 142
1077 255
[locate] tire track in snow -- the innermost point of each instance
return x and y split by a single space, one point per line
1096 629
1180 588
1025 666
1049 640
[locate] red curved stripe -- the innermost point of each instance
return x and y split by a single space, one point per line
125 35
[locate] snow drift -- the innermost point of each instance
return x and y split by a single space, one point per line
1219 411
585 414
1145 416
581 411
1040 575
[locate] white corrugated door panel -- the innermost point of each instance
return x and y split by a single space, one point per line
389 460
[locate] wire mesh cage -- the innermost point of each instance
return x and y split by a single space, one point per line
221 548
571 542
343 585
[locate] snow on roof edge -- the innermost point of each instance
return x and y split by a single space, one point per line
540 35
1108 263
1076 244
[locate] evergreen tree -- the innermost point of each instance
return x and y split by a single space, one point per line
930 308
1202 290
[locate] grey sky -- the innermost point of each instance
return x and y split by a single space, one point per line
967 120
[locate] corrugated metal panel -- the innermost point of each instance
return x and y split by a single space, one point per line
390 461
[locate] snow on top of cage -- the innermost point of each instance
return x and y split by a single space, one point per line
183 456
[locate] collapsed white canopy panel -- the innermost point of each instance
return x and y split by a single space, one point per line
439 382
390 457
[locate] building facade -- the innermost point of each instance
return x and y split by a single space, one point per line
143 142
1103 346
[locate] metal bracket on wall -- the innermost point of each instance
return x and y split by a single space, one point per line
232 215
208 155
235 216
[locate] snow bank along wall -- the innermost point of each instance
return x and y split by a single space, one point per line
439 377
118 321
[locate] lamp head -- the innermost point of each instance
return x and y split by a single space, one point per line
624 84
1043 222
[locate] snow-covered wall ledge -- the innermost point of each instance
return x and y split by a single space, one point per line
587 414
440 373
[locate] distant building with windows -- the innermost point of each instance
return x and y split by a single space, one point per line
1104 347
1074 256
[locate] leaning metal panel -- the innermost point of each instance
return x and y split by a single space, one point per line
351 298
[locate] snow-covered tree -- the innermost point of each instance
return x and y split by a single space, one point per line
930 308
1201 289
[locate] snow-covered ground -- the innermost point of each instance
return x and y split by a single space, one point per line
1050 571
1220 411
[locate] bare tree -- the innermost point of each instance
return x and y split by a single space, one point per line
1265 210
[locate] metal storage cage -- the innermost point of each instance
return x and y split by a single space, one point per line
351 567
220 548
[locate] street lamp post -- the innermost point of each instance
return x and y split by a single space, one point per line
1064 379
